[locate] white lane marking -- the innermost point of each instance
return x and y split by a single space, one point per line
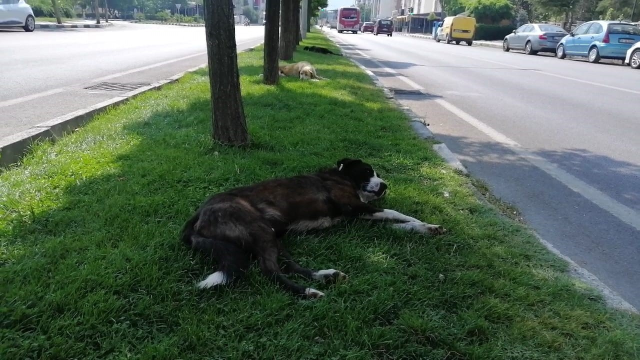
621 211
559 76
66 88
398 75
30 97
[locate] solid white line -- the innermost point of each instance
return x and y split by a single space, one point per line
622 212
62 89
561 76
30 97
146 67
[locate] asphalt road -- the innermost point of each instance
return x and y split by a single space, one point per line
559 139
44 74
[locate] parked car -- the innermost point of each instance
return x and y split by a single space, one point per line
17 13
457 29
383 26
367 27
534 38
633 56
597 40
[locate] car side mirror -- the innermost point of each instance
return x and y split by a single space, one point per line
514 31
572 34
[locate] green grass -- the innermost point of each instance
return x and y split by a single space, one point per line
91 265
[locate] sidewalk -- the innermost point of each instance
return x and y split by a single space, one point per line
493 44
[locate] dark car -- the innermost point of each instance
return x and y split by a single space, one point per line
367 27
383 27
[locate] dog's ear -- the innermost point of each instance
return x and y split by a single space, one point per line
342 164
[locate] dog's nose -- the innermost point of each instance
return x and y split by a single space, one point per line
381 190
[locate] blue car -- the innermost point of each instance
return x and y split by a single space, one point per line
597 40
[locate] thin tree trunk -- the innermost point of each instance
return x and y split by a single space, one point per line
96 5
229 124
56 11
309 11
271 43
106 11
296 14
287 28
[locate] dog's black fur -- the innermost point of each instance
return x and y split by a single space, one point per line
320 50
249 221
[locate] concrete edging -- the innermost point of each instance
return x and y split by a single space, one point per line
72 26
14 147
475 42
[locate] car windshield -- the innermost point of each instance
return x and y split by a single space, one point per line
385 22
551 28
626 29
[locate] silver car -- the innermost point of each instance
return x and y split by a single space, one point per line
534 38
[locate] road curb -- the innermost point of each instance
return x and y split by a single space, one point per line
73 26
475 42
168 23
14 147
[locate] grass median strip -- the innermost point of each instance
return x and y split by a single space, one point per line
91 265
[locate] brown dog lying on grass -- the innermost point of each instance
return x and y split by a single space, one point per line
248 222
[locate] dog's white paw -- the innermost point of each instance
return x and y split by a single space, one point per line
330 275
313 293
421 227
217 278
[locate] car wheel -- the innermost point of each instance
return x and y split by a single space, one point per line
390 35
528 49
446 39
560 54
457 42
29 24
635 59
594 55
505 45
470 43
437 39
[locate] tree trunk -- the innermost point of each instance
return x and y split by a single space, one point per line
106 11
287 28
309 11
271 39
229 124
296 14
56 11
96 6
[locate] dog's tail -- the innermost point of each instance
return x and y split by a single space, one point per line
233 262
188 229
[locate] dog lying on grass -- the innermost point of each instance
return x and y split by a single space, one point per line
303 70
248 222
320 50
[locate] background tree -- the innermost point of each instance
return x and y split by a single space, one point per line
229 124
271 39
490 11
287 30
96 8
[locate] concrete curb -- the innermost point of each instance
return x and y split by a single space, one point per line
73 26
14 147
167 23
475 42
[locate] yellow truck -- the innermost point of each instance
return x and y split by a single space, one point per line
458 29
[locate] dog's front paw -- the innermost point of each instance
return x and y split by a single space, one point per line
330 276
313 293
435 229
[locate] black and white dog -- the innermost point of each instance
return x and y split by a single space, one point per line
248 222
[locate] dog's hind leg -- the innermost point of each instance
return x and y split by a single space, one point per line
233 262
327 276
268 260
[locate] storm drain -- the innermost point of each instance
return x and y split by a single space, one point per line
407 92
107 86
